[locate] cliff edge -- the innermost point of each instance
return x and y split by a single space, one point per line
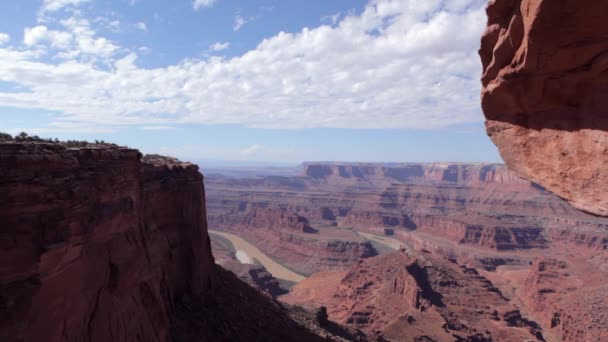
100 244
545 76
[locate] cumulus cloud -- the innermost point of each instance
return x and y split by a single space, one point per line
198 4
4 38
217 46
55 5
41 34
397 64
142 26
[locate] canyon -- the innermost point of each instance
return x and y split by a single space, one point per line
477 227
101 243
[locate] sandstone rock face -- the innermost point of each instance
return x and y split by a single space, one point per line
545 78
409 296
95 245
264 218
570 300
431 172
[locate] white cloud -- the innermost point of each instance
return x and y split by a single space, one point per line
251 150
217 46
41 34
157 128
142 26
85 38
332 18
198 4
55 5
4 38
78 39
113 25
239 21
398 64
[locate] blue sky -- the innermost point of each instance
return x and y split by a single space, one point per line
280 81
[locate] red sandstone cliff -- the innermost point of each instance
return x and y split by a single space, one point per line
96 245
410 296
457 173
544 94
569 299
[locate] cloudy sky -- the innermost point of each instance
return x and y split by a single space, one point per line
269 80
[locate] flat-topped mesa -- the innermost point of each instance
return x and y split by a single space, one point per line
92 234
449 173
544 94
98 245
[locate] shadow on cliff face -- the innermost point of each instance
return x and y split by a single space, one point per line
545 80
546 68
239 313
422 279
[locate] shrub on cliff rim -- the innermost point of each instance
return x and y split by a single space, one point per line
322 317
24 137
6 137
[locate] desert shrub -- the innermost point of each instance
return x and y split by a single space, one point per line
322 317
5 137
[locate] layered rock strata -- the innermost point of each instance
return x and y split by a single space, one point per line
409 296
477 205
288 238
545 76
98 245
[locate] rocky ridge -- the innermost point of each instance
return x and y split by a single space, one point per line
98 245
408 296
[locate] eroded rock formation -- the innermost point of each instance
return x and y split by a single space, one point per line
288 237
96 245
408 296
435 206
570 300
545 78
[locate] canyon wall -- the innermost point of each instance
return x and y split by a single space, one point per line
570 309
545 76
444 204
459 173
98 245
289 238
95 244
